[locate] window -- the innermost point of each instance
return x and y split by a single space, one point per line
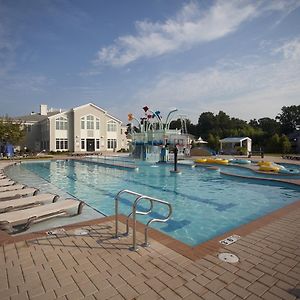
90 122
111 144
61 123
97 144
82 144
97 124
111 126
62 144
28 127
82 122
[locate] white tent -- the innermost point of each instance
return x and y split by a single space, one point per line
201 141
230 143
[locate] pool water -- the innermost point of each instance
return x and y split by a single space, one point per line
205 203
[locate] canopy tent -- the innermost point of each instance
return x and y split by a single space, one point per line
229 144
201 141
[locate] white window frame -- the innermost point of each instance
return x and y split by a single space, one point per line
61 123
82 142
111 143
61 144
97 124
90 120
111 126
82 122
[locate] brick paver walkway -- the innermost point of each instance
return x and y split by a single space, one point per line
97 266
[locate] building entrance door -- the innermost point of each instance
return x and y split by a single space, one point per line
90 145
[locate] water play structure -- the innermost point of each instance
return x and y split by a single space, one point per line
152 138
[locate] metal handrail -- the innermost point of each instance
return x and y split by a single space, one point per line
136 212
117 208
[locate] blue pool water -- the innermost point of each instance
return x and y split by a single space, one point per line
205 202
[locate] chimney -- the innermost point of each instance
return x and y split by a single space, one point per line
43 110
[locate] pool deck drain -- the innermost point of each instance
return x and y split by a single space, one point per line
96 266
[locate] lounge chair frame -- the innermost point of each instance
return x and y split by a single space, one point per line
25 205
14 229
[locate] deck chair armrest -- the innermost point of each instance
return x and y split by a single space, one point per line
80 207
55 198
27 225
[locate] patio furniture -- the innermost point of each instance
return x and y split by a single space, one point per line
18 193
26 202
20 220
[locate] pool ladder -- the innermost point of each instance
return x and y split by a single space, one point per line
134 212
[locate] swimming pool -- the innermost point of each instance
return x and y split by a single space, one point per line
205 203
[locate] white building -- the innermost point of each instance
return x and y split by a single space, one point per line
86 128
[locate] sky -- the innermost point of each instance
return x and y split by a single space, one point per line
241 57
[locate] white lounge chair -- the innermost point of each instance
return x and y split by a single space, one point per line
6 181
18 193
26 202
20 220
12 187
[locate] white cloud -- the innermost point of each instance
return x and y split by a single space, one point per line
290 49
249 89
191 26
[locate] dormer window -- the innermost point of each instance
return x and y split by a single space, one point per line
61 123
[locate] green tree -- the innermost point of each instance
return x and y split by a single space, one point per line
273 144
285 144
213 142
269 126
11 132
289 118
206 124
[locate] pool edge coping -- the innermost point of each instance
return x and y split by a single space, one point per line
192 252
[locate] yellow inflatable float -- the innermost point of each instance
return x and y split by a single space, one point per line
268 166
265 163
201 160
219 161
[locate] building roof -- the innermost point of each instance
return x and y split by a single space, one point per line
99 108
35 117
234 139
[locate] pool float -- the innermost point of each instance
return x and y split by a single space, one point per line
265 163
269 168
241 161
201 160
219 161
284 170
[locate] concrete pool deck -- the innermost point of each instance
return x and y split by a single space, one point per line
97 266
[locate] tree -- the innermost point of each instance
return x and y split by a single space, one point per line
269 126
289 118
11 132
273 144
285 144
206 123
213 142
